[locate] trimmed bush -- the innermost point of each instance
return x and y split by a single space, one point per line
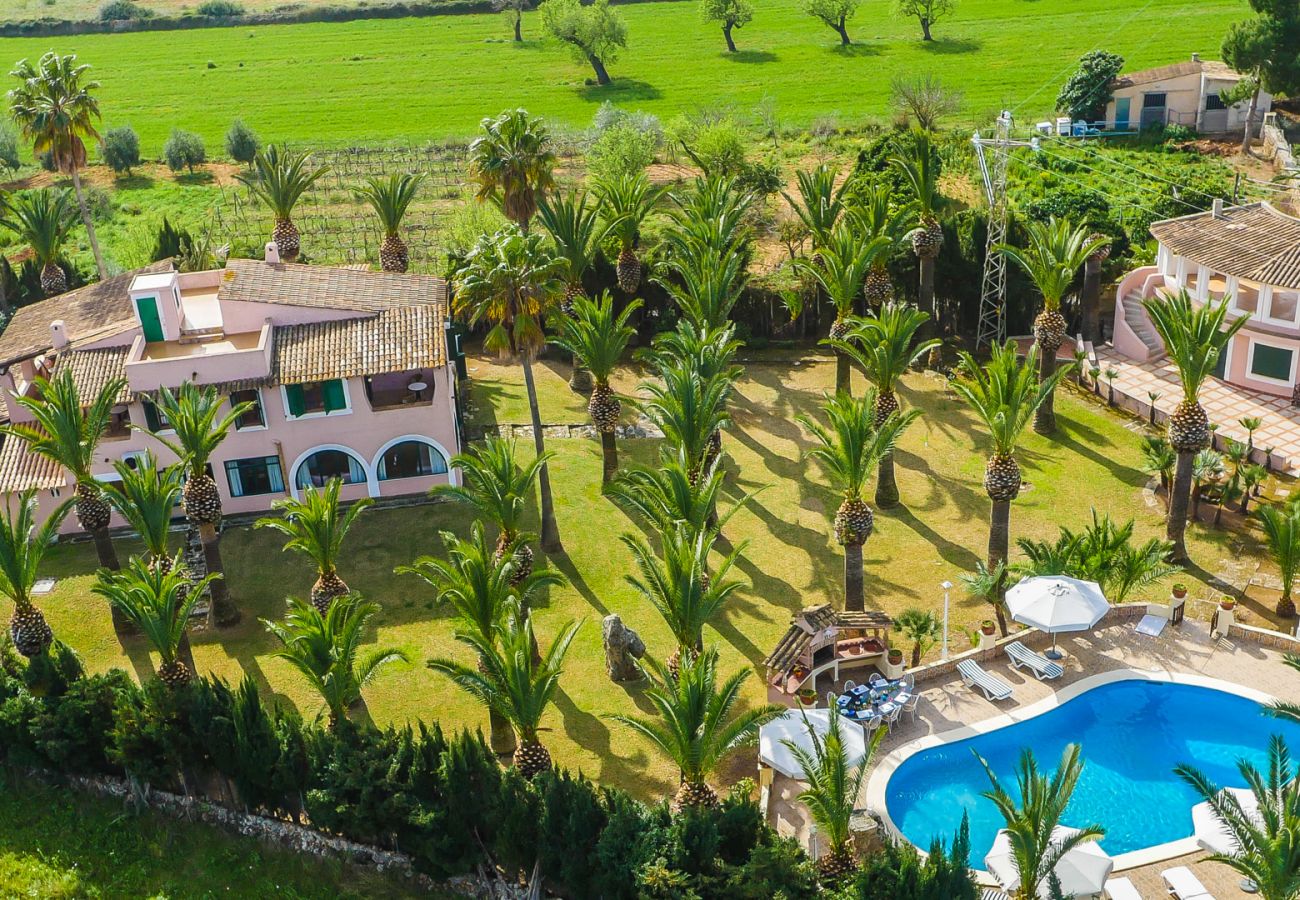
121 149
242 143
184 150
123 10
221 9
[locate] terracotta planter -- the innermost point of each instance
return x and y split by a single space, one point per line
988 628
1180 592
895 657
1227 603
808 700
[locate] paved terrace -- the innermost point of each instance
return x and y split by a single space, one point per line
946 704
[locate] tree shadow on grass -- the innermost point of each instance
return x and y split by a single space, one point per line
752 56
952 46
619 90
564 565
856 50
1065 436
956 555
196 178
135 182
592 734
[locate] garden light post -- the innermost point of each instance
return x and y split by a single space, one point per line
947 586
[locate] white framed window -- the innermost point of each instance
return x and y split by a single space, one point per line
1283 305
1271 363
255 418
316 398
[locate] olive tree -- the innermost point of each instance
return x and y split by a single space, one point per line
121 149
927 12
835 14
729 14
184 150
595 33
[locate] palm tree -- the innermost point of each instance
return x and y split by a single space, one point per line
1282 532
194 415
324 647
1207 471
1251 424
1159 459
390 198
41 220
22 548
1004 395
145 496
514 683
512 164
497 487
157 600
56 109
316 526
841 270
1090 296
877 215
67 432
710 218
690 408
1281 709
921 627
849 451
1194 337
666 495
277 180
919 167
834 785
708 283
882 346
625 202
698 722
1055 253
988 585
1033 813
1103 552
1268 841
511 280
818 205
597 336
478 584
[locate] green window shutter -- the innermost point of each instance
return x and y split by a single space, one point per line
1271 362
151 416
297 404
332 392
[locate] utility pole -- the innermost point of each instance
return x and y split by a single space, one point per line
992 327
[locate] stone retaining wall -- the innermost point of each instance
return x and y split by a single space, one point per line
1265 637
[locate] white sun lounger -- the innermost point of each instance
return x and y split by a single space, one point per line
974 675
1184 885
1121 889
994 894
1151 626
1023 658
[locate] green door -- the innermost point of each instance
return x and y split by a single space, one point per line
147 309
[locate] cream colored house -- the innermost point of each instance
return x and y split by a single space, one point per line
1185 93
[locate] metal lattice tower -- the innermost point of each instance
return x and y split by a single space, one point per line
993 287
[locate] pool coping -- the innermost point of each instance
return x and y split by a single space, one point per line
885 769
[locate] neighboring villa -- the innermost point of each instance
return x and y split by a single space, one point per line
1249 255
347 369
1186 93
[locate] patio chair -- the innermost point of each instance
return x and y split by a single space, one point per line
1121 889
1023 658
831 698
908 682
910 705
973 674
871 723
849 685
994 894
1183 885
877 680
889 718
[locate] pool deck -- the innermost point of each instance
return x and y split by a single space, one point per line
1187 649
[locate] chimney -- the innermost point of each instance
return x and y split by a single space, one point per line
272 252
1217 209
58 335
1196 57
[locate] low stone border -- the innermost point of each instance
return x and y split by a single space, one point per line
623 432
1265 637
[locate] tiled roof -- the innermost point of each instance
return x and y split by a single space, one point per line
398 339
21 469
93 369
221 387
331 287
91 312
1210 67
797 637
1256 242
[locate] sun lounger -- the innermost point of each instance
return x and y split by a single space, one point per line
994 894
1151 625
973 674
1121 889
1184 885
1024 658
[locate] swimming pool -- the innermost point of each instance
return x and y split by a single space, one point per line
1132 731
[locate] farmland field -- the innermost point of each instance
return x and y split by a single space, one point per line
428 78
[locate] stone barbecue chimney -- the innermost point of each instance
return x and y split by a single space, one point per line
58 335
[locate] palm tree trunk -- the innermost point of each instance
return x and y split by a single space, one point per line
1090 300
1045 415
853 592
550 531
842 375
1179 497
90 225
224 612
609 450
886 484
999 539
185 653
104 549
925 300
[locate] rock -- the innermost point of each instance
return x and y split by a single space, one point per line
623 647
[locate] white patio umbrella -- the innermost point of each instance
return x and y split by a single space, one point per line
1082 872
1055 603
791 726
1209 829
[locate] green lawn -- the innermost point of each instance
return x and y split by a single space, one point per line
425 78
791 560
57 844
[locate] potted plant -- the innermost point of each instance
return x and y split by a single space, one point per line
807 696
895 656
988 627
1227 603
1180 590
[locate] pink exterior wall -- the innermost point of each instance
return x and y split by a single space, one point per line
1239 351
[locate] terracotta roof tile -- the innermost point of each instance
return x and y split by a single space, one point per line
395 340
1211 67
1256 242
93 369
332 287
21 469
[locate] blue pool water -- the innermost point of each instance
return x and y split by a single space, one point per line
1132 734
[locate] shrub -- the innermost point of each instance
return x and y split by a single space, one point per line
46 160
220 9
120 10
121 149
184 150
10 157
242 143
621 149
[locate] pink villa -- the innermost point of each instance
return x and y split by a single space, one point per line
1245 256
348 371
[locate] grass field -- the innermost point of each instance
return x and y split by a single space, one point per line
791 560
436 77
88 10
56 844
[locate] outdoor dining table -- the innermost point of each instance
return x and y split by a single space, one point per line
865 703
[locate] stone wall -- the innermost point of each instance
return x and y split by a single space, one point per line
1274 640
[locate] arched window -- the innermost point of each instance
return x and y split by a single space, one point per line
411 459
323 465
